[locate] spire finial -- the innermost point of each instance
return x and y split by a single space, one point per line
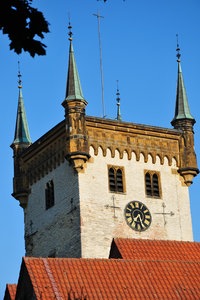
73 88
19 77
178 55
70 30
22 135
182 110
119 118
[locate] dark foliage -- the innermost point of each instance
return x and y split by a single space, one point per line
24 25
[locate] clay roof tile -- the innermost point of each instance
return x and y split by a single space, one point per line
115 279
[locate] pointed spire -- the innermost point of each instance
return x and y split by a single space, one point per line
22 135
182 110
73 90
119 118
77 148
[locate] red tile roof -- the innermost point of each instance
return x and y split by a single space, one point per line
155 250
63 278
11 291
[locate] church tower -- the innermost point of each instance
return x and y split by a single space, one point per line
89 179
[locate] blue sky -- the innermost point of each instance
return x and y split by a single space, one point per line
138 49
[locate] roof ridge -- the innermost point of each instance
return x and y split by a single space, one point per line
155 240
51 278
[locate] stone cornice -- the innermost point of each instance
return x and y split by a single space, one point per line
49 151
133 138
45 154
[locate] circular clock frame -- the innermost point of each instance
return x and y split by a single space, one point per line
137 215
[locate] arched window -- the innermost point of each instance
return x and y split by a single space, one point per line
116 179
119 181
148 184
111 175
155 185
152 184
49 194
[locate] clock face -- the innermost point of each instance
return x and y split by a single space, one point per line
137 216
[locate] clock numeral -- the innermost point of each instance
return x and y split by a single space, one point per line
128 208
129 220
128 214
146 222
137 204
133 225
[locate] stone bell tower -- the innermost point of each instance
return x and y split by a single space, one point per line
90 179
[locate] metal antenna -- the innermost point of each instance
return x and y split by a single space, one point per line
101 65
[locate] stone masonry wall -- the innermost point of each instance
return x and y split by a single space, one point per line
55 231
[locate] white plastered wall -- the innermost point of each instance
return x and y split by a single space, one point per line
100 222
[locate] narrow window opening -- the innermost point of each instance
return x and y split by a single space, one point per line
152 184
155 186
148 184
116 179
49 194
119 181
112 179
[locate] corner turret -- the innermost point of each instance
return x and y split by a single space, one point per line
184 121
77 150
21 141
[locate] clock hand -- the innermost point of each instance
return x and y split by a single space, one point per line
136 218
140 218
141 223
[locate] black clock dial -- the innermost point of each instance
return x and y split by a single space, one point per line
137 216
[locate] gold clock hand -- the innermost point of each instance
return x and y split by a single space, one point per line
136 218
142 225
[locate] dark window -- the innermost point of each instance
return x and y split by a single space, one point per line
155 185
49 194
152 184
115 175
112 179
148 184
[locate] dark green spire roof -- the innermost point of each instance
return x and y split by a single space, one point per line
73 90
182 110
22 135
